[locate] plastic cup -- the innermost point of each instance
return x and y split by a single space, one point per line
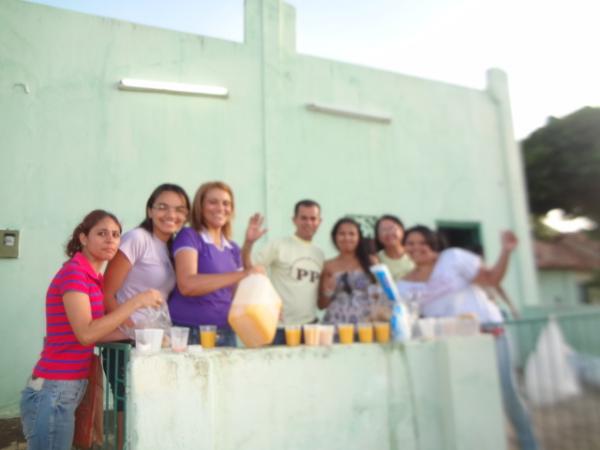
326 334
467 326
148 340
311 334
365 333
427 328
446 326
382 332
346 333
292 335
179 339
208 336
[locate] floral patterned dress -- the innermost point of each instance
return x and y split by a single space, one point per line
351 301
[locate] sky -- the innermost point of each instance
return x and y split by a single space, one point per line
548 48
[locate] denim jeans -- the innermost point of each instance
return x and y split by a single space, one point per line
513 404
48 412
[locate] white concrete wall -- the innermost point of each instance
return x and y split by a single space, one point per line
425 395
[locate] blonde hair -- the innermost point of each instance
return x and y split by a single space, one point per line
196 216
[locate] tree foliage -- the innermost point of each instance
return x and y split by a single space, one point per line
562 163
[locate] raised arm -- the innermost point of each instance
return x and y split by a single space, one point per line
493 276
88 330
254 232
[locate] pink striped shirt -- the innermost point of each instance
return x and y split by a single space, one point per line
63 357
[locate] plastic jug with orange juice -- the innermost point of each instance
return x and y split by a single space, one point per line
255 311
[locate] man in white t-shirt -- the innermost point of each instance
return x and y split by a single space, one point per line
294 264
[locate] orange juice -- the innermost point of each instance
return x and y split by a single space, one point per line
311 334
255 311
208 336
382 332
292 335
365 333
346 333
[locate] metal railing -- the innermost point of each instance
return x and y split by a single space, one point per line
564 404
115 358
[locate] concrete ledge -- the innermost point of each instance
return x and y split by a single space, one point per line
425 395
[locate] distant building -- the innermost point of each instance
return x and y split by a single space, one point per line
568 270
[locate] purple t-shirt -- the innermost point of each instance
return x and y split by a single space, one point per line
212 308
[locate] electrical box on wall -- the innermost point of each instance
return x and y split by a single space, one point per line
9 243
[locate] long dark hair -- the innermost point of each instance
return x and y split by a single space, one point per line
165 187
74 244
391 218
147 223
362 249
433 239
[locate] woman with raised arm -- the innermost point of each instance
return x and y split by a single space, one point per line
448 283
75 321
208 265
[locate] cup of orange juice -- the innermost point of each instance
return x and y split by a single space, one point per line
208 336
292 335
346 333
326 334
382 332
311 334
365 332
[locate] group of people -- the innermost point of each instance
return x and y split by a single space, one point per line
192 272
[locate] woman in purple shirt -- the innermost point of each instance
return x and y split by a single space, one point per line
208 265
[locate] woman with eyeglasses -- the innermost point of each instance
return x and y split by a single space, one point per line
75 321
389 232
345 280
208 265
143 262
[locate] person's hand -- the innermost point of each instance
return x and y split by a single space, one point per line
255 231
329 283
150 298
509 240
256 269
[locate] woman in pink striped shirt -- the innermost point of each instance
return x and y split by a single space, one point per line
75 321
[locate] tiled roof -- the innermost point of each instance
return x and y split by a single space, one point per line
569 251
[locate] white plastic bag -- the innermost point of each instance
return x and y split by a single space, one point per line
150 318
549 378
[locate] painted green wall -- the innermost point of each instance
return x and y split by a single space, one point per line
73 142
432 395
561 287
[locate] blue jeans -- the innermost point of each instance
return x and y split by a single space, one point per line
513 404
48 412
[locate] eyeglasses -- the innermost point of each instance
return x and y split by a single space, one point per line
163 207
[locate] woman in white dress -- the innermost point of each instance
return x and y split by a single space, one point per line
449 283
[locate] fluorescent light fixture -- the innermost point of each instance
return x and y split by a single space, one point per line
327 109
130 84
